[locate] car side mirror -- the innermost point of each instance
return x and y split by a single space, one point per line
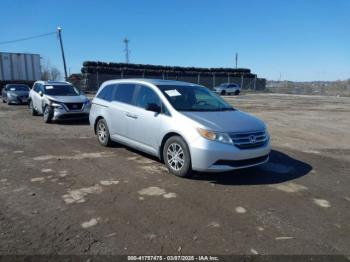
41 93
153 107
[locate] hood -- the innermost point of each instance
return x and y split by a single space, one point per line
68 99
20 93
227 121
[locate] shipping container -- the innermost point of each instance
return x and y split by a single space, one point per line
19 67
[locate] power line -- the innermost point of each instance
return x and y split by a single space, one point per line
26 38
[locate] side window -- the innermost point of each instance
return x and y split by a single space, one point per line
124 93
106 93
36 88
147 96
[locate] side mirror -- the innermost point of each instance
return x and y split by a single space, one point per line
41 93
154 108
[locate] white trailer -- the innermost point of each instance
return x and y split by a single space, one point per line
19 67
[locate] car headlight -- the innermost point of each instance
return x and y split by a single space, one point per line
12 95
215 136
56 105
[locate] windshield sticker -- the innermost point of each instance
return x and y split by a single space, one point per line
48 87
12 89
173 92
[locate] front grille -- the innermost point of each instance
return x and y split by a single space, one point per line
74 106
242 163
249 140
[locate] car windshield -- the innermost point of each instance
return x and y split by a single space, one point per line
18 88
61 90
194 98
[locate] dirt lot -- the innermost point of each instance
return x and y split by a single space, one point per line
62 193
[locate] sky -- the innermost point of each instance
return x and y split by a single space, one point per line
296 40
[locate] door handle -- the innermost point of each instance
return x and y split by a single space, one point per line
131 115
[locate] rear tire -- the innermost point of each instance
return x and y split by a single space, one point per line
32 109
48 114
177 157
237 92
102 133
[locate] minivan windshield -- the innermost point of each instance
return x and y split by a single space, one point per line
194 98
61 90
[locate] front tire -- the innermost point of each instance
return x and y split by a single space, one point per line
48 114
223 92
177 157
102 133
237 92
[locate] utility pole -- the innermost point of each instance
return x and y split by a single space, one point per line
236 60
59 30
127 51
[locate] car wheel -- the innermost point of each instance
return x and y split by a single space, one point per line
177 157
223 92
32 109
237 92
3 100
102 133
48 114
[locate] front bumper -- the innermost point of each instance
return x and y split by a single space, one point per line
17 100
211 156
62 114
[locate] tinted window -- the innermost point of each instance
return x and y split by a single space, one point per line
146 96
106 93
124 93
36 88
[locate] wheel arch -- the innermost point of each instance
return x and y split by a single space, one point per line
96 121
165 138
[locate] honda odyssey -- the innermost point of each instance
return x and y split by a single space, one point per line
186 125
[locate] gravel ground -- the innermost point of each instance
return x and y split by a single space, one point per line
62 193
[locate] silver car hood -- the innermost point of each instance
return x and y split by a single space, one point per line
68 99
227 121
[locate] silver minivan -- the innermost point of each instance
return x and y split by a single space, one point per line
186 125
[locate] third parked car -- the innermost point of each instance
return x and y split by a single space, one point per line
15 94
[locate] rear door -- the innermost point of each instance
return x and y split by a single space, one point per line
120 111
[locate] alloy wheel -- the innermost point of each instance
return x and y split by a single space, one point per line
102 132
175 156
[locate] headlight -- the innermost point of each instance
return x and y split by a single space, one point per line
12 95
215 136
56 105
